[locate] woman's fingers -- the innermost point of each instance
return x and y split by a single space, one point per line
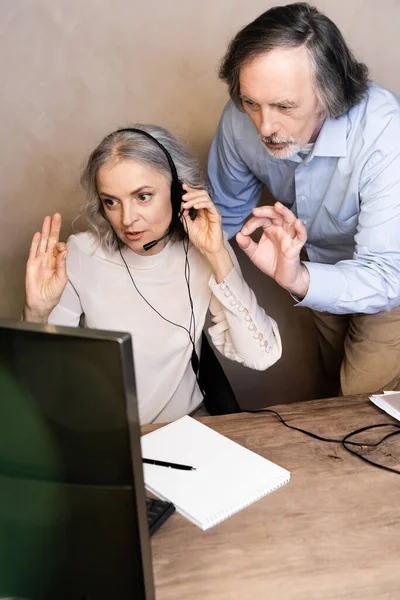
48 239
61 264
199 204
197 196
45 235
190 190
54 235
34 246
59 248
200 200
194 195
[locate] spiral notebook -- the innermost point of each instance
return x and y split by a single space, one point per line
228 476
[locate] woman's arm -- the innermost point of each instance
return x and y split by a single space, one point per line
50 297
46 273
241 329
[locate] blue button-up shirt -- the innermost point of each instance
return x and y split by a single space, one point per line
346 192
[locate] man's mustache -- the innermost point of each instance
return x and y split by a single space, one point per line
275 139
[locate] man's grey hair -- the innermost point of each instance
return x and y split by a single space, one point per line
129 145
340 81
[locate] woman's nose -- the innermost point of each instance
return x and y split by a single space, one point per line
130 214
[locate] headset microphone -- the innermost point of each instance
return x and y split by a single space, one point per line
192 215
155 242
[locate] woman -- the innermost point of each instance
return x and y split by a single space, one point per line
151 265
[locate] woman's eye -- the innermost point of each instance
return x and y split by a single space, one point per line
110 203
144 197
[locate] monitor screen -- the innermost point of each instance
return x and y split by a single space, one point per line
73 522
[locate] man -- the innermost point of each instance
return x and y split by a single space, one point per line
305 121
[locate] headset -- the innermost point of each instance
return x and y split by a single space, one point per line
177 190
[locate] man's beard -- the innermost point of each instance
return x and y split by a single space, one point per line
291 147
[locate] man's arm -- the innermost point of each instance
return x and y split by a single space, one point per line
235 189
368 283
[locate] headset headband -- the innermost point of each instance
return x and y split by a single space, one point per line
159 144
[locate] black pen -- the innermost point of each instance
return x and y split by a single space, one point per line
161 463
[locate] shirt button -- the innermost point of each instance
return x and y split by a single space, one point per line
305 222
303 198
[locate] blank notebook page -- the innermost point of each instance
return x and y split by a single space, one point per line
389 402
228 477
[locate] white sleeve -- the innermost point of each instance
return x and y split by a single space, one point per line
241 329
69 310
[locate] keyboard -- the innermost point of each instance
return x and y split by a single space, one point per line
158 512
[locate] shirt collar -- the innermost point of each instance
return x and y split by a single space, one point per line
331 140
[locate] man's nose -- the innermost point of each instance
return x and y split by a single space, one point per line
268 124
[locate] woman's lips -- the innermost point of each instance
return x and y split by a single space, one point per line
134 235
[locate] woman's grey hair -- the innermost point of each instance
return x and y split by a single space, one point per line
339 80
130 145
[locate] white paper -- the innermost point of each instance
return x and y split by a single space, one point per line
227 478
389 402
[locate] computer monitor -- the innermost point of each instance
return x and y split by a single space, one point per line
73 521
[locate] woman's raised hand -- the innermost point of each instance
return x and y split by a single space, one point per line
46 274
205 231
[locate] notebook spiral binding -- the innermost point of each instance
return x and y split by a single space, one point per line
233 509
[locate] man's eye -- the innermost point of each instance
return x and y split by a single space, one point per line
252 105
144 197
284 108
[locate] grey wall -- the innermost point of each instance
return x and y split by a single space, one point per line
73 70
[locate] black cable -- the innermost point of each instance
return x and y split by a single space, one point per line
194 358
148 303
185 244
367 460
344 441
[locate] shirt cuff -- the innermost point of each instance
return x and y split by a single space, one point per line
233 279
326 286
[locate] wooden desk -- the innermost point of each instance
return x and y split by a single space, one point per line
332 533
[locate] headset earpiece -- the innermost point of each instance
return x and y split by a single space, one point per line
177 192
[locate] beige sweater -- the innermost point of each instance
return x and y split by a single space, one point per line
100 289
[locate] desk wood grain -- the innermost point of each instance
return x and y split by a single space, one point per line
333 532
